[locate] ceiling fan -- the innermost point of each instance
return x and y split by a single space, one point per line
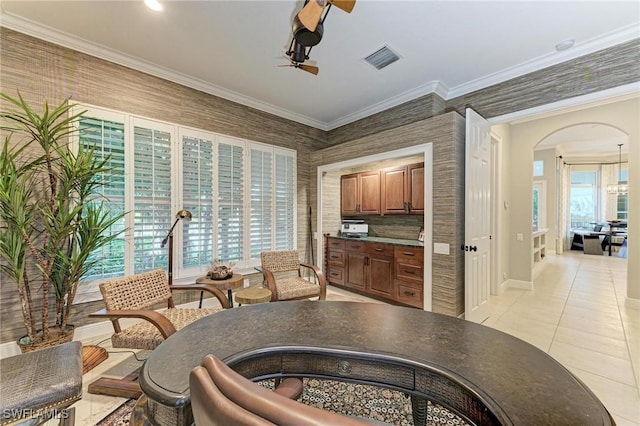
308 29
297 56
312 11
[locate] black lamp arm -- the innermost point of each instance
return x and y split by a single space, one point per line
164 241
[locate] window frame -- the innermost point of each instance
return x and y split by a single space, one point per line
181 273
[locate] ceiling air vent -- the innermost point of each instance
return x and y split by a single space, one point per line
382 57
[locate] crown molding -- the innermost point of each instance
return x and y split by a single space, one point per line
435 87
36 30
610 39
61 38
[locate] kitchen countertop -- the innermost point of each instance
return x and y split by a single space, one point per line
384 240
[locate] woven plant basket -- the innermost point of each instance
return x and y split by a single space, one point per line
56 337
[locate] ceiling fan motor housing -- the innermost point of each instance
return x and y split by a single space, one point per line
305 37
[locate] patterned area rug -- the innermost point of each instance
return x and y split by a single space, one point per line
346 398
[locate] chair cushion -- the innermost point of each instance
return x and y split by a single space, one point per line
296 287
144 335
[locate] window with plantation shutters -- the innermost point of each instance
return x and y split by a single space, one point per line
197 197
152 192
261 202
231 221
241 194
106 139
285 201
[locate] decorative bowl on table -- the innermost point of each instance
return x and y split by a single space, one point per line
220 273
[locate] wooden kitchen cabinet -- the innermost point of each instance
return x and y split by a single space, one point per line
395 190
402 189
369 267
416 188
335 259
380 280
409 275
387 271
360 194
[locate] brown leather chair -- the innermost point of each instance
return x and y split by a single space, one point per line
282 273
220 396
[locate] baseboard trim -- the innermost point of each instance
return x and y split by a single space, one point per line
632 303
523 285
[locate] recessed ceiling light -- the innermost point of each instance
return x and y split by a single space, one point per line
154 5
565 44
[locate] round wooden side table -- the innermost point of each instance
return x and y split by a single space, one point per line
233 282
253 295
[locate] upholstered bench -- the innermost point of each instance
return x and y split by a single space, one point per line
41 384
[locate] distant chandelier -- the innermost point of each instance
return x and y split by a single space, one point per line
618 188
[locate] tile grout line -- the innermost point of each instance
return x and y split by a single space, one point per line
564 306
624 330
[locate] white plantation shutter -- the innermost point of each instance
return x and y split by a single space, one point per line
107 138
242 195
197 197
285 201
261 202
231 222
152 195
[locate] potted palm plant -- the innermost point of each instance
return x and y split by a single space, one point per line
53 217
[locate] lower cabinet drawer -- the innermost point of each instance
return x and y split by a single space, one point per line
410 294
335 275
407 271
336 256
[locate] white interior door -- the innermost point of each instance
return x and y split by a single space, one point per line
477 222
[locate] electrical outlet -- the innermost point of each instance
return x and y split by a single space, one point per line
519 237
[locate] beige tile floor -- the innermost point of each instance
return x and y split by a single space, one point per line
575 313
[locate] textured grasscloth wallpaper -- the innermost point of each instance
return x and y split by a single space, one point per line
44 70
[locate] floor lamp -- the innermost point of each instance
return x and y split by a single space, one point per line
182 214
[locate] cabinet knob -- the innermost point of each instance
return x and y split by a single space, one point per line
408 253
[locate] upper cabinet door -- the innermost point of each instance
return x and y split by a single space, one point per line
369 193
349 195
416 188
395 188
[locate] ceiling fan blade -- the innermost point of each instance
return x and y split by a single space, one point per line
346 5
311 13
309 68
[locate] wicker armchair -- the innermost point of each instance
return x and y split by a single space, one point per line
134 297
282 273
220 396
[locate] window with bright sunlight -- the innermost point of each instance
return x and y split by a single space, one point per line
583 199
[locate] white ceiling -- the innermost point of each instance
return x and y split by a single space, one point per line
233 48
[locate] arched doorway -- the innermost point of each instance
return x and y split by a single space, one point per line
574 168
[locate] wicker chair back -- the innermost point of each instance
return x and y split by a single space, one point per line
280 261
139 291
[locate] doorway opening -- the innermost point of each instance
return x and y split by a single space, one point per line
328 202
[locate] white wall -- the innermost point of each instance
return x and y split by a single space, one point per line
525 136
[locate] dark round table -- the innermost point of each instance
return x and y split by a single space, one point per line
481 374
